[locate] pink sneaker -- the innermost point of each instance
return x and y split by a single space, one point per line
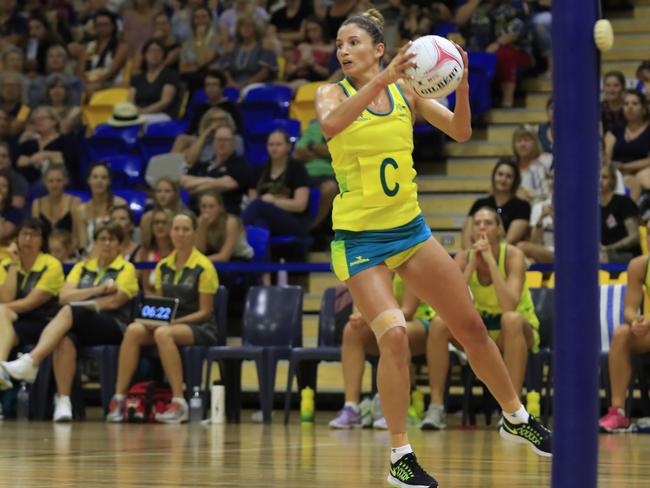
614 421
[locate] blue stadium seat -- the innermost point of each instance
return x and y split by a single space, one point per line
258 238
482 69
272 325
112 141
231 93
263 103
198 97
137 201
258 133
159 138
127 170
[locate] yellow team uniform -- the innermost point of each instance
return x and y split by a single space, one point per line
424 313
485 301
376 215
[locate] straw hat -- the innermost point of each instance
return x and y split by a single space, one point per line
124 115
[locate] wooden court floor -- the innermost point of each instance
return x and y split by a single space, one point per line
92 453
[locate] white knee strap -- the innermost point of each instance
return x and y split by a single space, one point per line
393 317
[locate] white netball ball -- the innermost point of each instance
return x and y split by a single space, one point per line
438 67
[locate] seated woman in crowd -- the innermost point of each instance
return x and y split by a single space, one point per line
248 62
629 338
201 49
13 59
12 101
359 340
166 195
220 235
41 37
533 164
289 21
540 247
310 60
200 148
62 247
57 209
122 215
495 272
155 90
514 212
627 145
30 281
102 63
10 216
96 211
611 107
19 185
159 246
57 65
58 96
46 145
619 221
280 197
194 323
225 171
163 33
111 283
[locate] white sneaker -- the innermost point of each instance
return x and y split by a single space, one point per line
435 418
22 368
177 412
62 408
380 424
5 380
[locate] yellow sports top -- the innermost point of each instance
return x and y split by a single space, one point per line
374 167
485 296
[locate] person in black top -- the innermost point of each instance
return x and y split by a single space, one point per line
619 221
627 145
514 212
225 172
288 20
214 83
10 216
280 198
47 146
19 185
155 90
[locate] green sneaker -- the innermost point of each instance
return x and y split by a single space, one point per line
532 433
407 473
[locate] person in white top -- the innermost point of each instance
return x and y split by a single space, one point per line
540 248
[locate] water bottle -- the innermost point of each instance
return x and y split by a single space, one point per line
218 404
307 405
196 406
532 403
417 401
22 402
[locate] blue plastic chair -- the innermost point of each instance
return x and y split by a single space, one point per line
127 170
159 138
272 325
304 361
137 201
258 133
265 102
231 93
113 141
258 238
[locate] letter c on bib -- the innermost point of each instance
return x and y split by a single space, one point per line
391 192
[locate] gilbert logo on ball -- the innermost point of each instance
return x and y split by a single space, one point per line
438 67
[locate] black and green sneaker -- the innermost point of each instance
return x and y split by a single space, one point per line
407 473
532 433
